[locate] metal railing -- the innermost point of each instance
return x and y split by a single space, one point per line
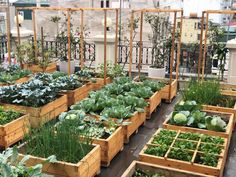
3 47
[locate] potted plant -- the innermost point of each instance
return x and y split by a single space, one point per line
161 44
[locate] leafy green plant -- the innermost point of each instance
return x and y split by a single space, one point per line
207 159
155 85
160 140
11 166
112 71
189 136
180 154
212 139
8 116
68 82
210 148
142 173
142 92
157 150
182 144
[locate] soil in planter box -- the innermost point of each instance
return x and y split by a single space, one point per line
142 173
8 116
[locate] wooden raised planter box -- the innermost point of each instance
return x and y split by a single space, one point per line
39 116
156 169
19 81
228 117
226 89
135 122
89 166
52 67
110 146
100 83
153 101
165 91
14 131
222 109
78 94
184 165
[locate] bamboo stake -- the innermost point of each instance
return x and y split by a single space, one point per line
35 35
116 37
17 26
172 54
105 46
205 47
131 43
82 39
179 46
69 42
200 47
42 45
140 44
8 37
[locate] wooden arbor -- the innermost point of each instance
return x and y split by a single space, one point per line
6 9
203 38
69 10
142 12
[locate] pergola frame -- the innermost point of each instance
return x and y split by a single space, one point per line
6 9
203 48
142 11
69 10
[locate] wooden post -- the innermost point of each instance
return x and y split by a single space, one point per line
69 42
17 27
200 46
172 54
42 45
205 47
105 46
35 35
116 37
82 39
8 36
131 43
179 46
140 44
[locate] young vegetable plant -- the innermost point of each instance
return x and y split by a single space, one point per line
8 116
142 173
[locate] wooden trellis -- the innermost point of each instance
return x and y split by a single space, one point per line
6 9
203 40
69 10
142 11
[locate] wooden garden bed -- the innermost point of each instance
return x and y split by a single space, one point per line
222 109
14 131
165 91
78 94
153 101
135 122
191 166
156 169
228 117
100 83
110 146
52 67
39 116
228 89
89 166
19 81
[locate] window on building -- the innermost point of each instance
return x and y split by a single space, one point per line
105 4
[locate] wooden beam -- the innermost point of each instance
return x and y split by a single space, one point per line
220 11
172 54
69 41
8 36
35 35
200 45
42 45
205 47
82 39
131 43
17 27
158 10
116 36
140 45
105 46
179 46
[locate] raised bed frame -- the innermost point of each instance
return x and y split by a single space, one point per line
18 81
183 165
14 131
111 146
229 117
226 89
153 102
100 83
153 169
39 116
89 166
52 67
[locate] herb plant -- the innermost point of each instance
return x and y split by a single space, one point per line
180 154
157 150
8 116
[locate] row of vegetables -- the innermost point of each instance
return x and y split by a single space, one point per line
107 118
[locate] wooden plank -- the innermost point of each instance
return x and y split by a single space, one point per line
41 115
153 101
111 146
229 117
89 166
157 169
100 83
52 67
14 131
19 81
